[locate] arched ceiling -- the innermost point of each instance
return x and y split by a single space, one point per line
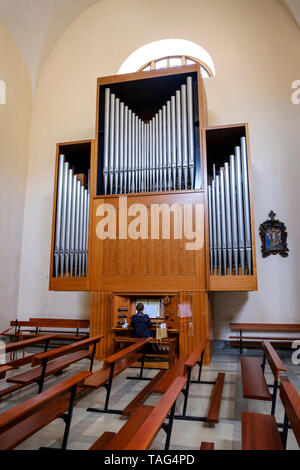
36 25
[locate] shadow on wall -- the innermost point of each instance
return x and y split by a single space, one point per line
226 308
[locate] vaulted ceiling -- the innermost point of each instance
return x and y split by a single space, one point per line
36 25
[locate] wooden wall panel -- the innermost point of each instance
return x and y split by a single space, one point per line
194 321
101 322
147 264
195 326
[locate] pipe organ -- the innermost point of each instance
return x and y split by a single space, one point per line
230 244
154 150
72 215
154 155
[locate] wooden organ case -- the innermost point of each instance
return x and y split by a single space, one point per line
166 207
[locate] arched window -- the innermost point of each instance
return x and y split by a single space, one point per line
176 61
168 53
2 92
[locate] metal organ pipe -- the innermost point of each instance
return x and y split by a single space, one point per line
210 230
235 245
173 140
157 155
246 202
111 141
169 155
125 149
223 220
218 219
229 216
240 214
190 119
178 138
73 220
63 218
117 142
184 136
106 138
214 224
58 212
121 146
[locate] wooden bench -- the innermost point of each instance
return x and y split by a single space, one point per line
260 432
112 366
3 370
253 380
65 329
143 425
260 327
23 420
55 361
182 367
170 343
16 363
207 446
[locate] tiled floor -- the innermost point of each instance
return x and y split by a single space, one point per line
186 435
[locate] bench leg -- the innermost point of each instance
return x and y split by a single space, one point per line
42 378
108 390
284 433
199 381
274 396
142 366
168 427
263 366
68 418
92 358
186 391
241 343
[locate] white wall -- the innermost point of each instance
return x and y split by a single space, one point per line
255 48
14 143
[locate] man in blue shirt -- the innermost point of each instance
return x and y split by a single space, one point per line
141 323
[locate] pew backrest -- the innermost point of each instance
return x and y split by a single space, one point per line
274 360
196 354
291 402
27 343
19 412
151 425
63 350
125 352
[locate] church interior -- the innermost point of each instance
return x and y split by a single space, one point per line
148 283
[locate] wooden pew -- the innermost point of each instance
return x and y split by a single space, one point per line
143 425
55 361
207 446
112 366
215 403
259 327
170 342
3 370
182 367
254 383
16 363
25 419
260 432
59 326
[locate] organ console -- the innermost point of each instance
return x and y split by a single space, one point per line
154 155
